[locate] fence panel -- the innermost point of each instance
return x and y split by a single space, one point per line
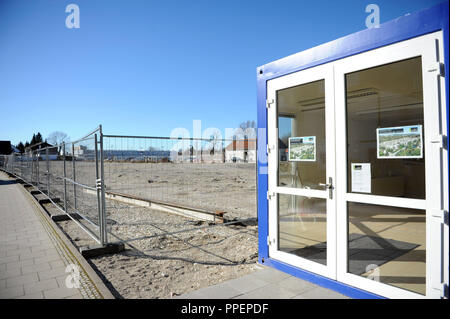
68 174
84 177
81 175
208 174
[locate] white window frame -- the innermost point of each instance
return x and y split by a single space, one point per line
424 46
324 72
430 48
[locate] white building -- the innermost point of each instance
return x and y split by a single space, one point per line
241 151
79 150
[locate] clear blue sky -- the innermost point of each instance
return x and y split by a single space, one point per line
146 67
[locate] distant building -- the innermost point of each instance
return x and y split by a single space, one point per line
241 151
15 150
79 150
40 149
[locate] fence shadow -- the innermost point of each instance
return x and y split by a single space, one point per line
7 182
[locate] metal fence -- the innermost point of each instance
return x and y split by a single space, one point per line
212 175
82 178
70 175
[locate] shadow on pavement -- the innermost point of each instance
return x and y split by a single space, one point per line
7 182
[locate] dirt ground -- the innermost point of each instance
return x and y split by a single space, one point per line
226 187
229 187
168 255
167 265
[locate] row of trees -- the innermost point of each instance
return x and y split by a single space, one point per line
54 138
37 138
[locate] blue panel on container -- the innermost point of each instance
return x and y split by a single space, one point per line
409 26
344 289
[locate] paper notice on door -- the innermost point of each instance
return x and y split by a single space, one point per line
361 178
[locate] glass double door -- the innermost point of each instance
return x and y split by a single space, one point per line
358 170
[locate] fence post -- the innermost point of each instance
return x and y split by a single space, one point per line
223 151
98 185
104 234
37 169
48 172
64 177
245 148
74 179
31 168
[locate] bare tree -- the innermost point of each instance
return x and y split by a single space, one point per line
57 138
246 130
215 142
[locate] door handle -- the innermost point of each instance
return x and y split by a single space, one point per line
328 186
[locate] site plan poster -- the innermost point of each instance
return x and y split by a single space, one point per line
400 142
302 149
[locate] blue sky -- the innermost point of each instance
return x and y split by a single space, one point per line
147 67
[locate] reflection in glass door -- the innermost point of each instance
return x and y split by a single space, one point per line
389 169
385 126
302 164
357 197
301 170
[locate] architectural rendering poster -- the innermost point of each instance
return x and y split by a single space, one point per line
400 142
302 149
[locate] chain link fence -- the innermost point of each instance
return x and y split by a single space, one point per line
97 180
67 175
206 174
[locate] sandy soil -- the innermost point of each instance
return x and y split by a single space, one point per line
163 265
227 187
157 262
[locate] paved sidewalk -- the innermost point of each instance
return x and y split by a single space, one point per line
31 266
265 283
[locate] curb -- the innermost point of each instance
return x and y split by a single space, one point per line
102 290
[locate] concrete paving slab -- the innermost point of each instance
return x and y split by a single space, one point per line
41 286
220 291
271 291
295 285
22 280
18 264
8 259
246 283
35 268
264 283
320 293
52 273
10 273
33 252
46 259
12 292
270 275
38 295
61 292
